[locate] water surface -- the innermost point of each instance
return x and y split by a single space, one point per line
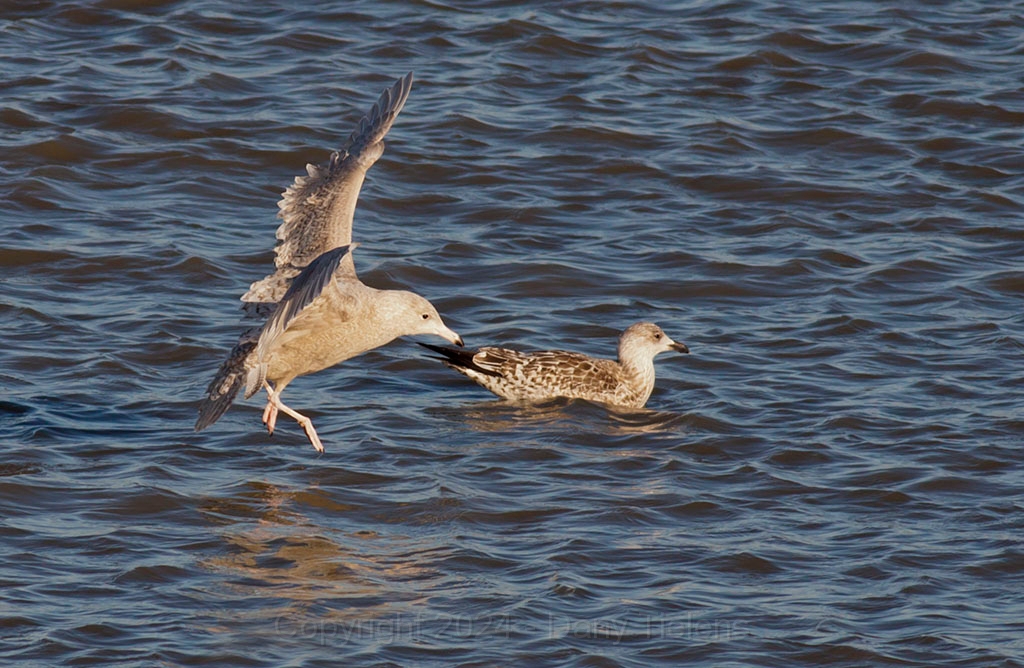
823 202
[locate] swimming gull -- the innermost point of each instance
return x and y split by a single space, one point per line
318 313
537 376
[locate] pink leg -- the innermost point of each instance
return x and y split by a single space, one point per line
304 422
270 416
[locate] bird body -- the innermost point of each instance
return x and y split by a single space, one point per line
346 318
542 375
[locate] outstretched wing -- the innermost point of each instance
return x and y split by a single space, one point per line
317 209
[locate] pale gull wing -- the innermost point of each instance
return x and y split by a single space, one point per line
317 209
304 290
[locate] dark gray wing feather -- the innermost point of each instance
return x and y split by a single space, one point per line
229 379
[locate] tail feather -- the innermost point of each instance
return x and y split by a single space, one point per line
458 358
229 379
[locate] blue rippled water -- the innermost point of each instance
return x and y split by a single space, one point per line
823 201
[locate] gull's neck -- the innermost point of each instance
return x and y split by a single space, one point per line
638 364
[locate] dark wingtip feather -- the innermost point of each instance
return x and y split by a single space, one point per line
449 354
226 383
211 410
459 359
214 406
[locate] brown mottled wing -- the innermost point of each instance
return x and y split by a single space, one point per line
537 375
565 373
317 209
499 361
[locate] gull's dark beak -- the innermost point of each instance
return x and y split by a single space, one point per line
459 342
680 347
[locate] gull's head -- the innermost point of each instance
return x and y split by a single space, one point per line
645 339
418 316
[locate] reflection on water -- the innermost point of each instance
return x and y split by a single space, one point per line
302 570
505 416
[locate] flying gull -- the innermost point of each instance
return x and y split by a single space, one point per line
317 312
537 376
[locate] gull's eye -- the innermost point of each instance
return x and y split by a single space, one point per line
657 337
426 316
